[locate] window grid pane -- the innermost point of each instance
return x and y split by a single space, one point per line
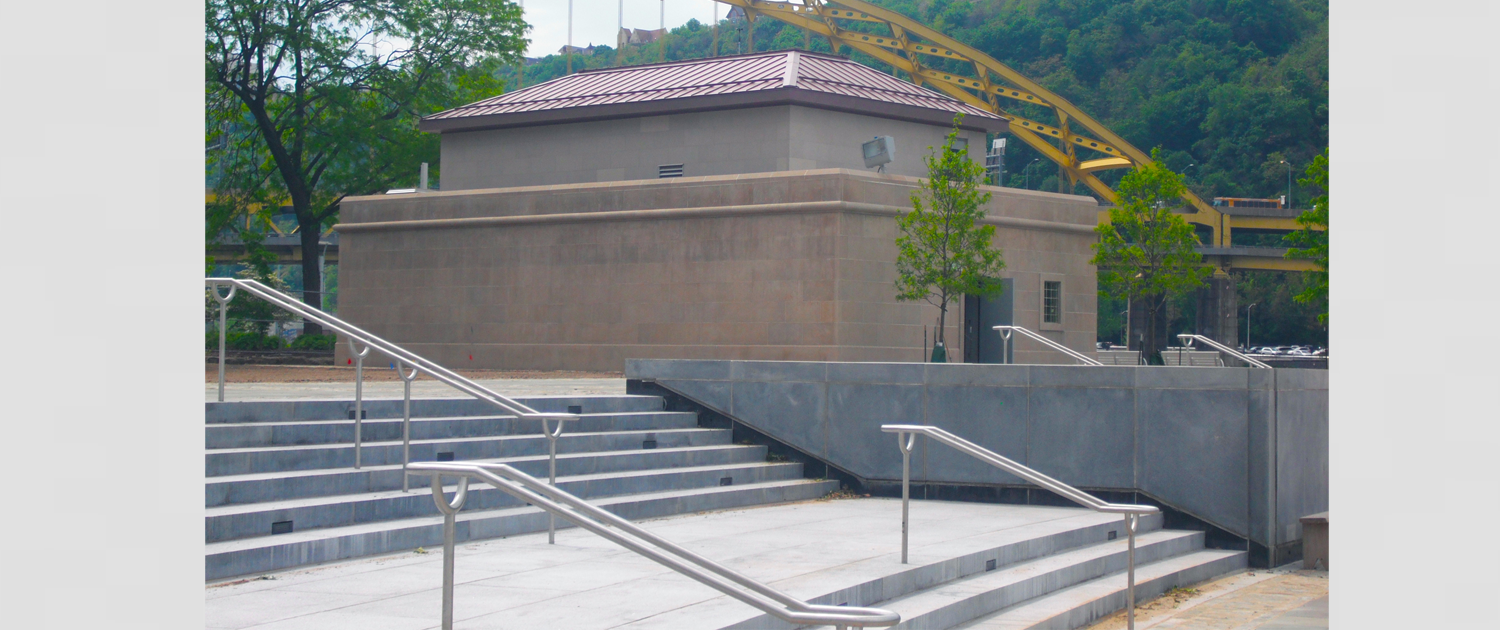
1052 302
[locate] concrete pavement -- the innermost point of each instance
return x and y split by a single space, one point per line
419 389
585 582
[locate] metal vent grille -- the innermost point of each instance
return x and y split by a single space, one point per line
669 170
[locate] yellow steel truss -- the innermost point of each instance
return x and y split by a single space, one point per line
910 44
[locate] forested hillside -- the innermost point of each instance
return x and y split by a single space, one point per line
1227 88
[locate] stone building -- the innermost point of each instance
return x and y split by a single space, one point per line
713 208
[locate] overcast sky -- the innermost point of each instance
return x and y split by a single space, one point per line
595 21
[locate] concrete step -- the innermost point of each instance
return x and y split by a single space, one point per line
964 600
247 521
854 559
1080 605
256 434
315 410
261 487
259 555
243 461
934 566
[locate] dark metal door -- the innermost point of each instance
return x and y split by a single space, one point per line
981 342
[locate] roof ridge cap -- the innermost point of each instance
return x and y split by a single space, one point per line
790 78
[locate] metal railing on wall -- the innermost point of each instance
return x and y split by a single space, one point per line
906 436
1190 338
1005 335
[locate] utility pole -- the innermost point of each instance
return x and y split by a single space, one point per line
715 52
661 42
570 36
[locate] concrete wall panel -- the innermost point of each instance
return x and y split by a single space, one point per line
1221 444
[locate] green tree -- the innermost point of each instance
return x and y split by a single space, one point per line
943 252
1311 242
1145 253
328 92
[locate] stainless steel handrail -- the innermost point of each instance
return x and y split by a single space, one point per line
630 536
906 440
402 356
1005 332
1190 338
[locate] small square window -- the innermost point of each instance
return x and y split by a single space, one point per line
1052 302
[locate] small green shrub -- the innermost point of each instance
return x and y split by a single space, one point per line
314 342
252 341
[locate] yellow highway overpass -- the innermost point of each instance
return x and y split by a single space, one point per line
1221 222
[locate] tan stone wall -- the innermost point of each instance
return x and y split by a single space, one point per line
781 266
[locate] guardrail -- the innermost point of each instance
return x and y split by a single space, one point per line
1005 332
906 437
620 531
1190 338
401 356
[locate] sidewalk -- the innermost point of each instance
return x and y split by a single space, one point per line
1286 598
251 382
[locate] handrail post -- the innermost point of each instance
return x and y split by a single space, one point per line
359 398
552 472
905 441
223 331
450 524
1131 520
405 423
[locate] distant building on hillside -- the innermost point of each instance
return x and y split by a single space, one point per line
736 14
637 36
576 50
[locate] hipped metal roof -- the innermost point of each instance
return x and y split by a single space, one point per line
753 80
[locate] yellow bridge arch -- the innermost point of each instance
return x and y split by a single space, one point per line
1077 143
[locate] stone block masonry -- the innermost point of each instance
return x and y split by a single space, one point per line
794 265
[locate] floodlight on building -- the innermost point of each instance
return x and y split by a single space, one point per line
879 152
994 163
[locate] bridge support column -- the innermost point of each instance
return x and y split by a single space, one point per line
1218 310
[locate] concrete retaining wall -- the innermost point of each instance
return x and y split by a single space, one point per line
1244 449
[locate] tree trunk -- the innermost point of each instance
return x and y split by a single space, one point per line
1151 348
312 274
942 320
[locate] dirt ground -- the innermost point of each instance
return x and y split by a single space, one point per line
1243 600
341 374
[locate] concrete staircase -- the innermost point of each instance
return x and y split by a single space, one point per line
282 491
1062 575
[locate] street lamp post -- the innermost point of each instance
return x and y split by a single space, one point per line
1028 173
1288 183
1247 325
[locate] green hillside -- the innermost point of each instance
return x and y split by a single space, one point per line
1227 88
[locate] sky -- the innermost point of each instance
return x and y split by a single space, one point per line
596 21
